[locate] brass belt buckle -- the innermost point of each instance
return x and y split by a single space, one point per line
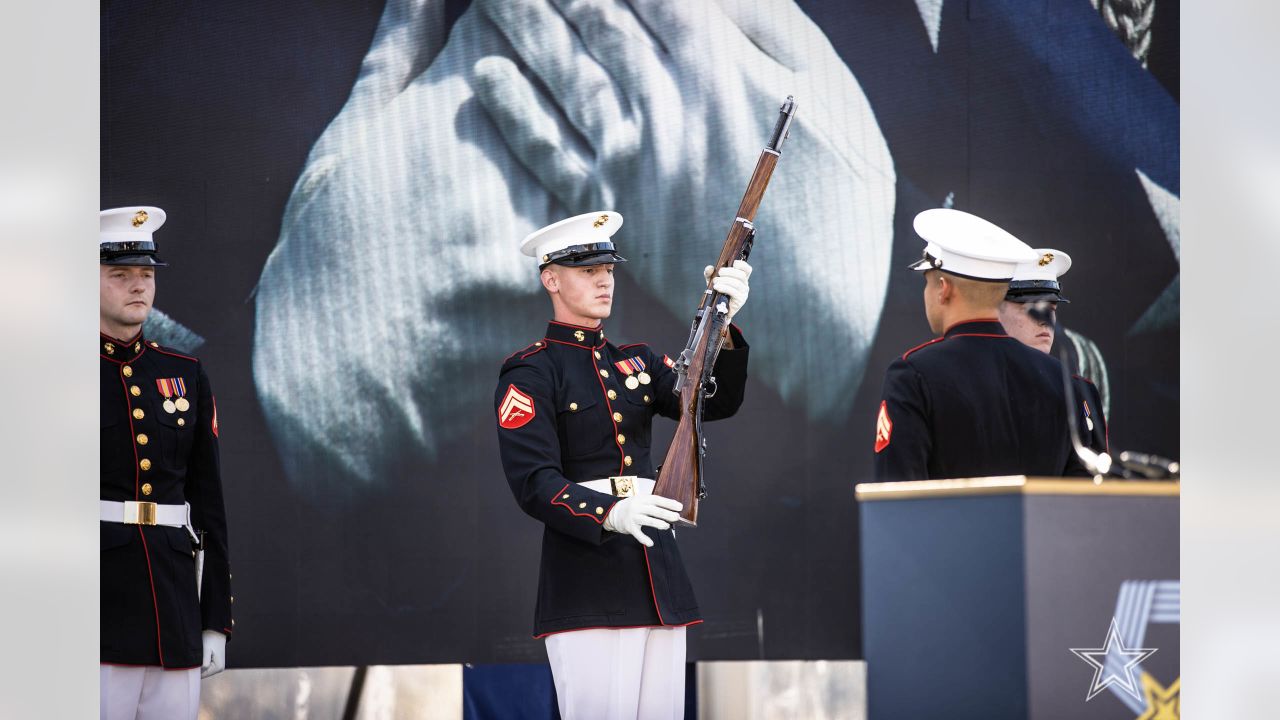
139 513
623 485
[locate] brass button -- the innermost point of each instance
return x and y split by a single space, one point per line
617 417
146 488
538 344
145 464
581 505
127 371
181 422
142 438
599 511
138 414
612 395
154 344
565 496
597 354
622 439
604 373
233 598
137 347
573 407
134 390
646 399
626 461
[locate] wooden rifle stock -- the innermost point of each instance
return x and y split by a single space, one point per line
680 476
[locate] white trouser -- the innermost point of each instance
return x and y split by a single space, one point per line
627 674
148 693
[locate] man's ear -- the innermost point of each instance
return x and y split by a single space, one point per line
946 289
550 280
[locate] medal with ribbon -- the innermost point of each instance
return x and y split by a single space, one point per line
172 388
633 368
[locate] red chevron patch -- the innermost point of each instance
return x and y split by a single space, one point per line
516 409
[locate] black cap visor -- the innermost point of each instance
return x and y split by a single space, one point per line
129 253
583 255
1028 291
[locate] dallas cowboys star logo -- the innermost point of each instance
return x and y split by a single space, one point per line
1113 664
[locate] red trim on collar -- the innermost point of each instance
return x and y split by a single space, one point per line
576 345
595 329
124 344
118 341
990 335
970 320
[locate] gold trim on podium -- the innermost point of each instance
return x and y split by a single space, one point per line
1013 485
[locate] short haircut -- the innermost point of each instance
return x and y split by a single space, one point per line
979 293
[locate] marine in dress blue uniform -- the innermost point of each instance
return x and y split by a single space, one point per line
574 414
161 495
973 402
1038 282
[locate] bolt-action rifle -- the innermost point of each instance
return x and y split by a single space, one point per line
680 476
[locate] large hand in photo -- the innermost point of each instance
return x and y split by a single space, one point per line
395 289
659 109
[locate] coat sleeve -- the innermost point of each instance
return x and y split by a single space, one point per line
529 444
730 372
903 439
208 512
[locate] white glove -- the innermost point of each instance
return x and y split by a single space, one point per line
731 281
214 657
631 515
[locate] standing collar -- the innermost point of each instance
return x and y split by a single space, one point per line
576 335
979 326
120 350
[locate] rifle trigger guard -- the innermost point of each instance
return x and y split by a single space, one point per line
710 383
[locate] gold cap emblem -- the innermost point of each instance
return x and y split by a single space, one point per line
1046 259
139 218
600 221
581 336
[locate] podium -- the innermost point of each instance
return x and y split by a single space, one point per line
987 598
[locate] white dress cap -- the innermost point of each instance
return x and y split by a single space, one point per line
579 240
968 246
1038 280
125 235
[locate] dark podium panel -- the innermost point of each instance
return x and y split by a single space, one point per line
976 592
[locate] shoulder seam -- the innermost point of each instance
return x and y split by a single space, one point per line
170 353
922 345
523 349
